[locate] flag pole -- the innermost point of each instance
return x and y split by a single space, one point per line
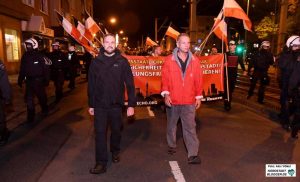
226 61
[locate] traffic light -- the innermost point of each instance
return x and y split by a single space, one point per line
239 49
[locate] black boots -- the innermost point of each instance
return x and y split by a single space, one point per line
227 105
4 137
98 169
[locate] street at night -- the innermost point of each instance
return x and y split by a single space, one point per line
149 91
234 146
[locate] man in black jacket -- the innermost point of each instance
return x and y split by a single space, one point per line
73 65
108 75
231 65
58 69
5 99
293 66
35 71
260 65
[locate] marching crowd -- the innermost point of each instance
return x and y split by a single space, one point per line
109 74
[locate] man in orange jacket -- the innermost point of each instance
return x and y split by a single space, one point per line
182 90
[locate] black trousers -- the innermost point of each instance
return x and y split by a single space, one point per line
295 124
261 76
35 87
102 118
2 119
284 103
59 79
232 75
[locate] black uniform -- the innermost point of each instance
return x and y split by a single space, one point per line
285 63
5 99
261 62
87 58
294 91
232 64
73 65
35 71
106 85
59 68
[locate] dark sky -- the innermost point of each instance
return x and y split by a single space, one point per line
136 17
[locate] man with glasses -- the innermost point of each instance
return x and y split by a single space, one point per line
259 65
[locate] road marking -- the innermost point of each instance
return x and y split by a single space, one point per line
151 113
176 171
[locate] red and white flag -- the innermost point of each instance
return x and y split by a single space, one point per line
91 25
172 32
85 33
150 42
233 9
220 28
74 32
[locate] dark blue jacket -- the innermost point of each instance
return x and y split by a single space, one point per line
107 79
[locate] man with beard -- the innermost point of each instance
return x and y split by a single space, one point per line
260 64
108 75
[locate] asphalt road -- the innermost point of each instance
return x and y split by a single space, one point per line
234 146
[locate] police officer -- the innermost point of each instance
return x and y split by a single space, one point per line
58 69
231 67
35 71
73 64
87 59
5 99
285 62
293 68
259 65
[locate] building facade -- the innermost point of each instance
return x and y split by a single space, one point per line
22 19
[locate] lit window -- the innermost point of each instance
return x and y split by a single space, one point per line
29 2
11 43
44 6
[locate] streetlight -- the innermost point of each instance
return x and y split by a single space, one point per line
113 20
121 32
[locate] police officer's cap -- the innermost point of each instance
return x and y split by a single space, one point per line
265 43
55 44
31 43
232 42
293 40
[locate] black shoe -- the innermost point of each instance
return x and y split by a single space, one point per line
115 158
286 127
4 138
227 106
294 133
98 169
260 102
171 150
194 160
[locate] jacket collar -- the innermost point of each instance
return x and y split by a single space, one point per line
175 57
